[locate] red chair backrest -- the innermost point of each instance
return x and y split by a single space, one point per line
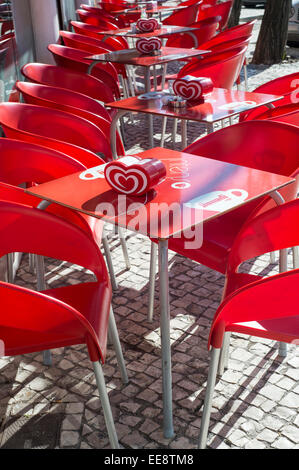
53 75
287 113
221 9
264 145
273 230
205 30
96 20
101 12
222 67
94 32
287 86
232 44
22 162
75 59
76 40
229 34
55 129
183 17
71 102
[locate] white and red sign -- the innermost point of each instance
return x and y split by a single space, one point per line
134 176
147 25
146 46
191 88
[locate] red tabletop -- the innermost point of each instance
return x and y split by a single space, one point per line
133 57
220 104
164 31
196 189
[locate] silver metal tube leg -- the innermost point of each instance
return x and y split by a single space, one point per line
31 263
165 339
164 122
109 262
163 76
124 247
150 117
224 355
272 257
41 282
113 333
283 264
113 127
205 420
152 278
105 405
184 133
9 261
295 250
245 76
174 131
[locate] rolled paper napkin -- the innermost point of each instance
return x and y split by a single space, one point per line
193 89
133 175
146 46
147 25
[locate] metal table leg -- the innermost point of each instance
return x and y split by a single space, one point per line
165 339
147 83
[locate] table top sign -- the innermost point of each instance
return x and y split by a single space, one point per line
148 46
147 25
134 176
193 89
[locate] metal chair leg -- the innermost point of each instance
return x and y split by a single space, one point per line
113 334
152 277
205 420
109 263
224 354
124 248
98 372
41 285
174 131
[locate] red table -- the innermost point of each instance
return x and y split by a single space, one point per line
133 57
220 104
195 190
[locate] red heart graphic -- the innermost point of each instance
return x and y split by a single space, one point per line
134 176
147 25
192 88
145 46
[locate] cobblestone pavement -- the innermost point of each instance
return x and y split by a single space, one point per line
256 400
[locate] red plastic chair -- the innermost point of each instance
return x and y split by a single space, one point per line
66 132
120 20
222 67
221 9
75 59
96 20
62 77
184 17
266 308
288 113
75 40
95 32
286 86
71 315
264 145
70 102
205 30
92 45
235 32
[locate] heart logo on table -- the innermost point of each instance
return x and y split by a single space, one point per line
192 88
134 176
147 25
146 46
